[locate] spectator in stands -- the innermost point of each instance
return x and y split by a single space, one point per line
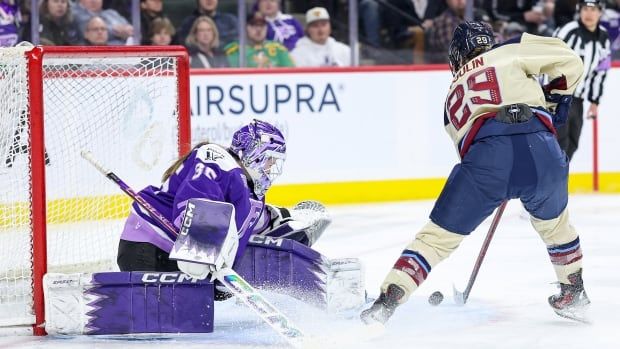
480 12
203 43
402 16
548 26
337 12
259 52
282 28
611 22
370 18
298 6
149 11
161 32
96 32
123 7
119 29
9 17
525 12
512 29
226 23
439 35
57 26
318 48
564 12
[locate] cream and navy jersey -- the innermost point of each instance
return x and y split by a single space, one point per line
505 75
594 49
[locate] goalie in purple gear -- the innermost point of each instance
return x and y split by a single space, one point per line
215 198
503 127
239 175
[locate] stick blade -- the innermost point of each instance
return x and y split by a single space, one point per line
459 297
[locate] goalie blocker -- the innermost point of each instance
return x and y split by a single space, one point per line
174 302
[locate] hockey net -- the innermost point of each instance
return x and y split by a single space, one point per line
128 106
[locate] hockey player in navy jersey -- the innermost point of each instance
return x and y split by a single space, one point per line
503 126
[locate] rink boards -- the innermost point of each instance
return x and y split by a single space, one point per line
353 134
368 133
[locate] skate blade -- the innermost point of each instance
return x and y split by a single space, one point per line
576 315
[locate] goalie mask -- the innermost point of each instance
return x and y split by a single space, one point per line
470 39
261 148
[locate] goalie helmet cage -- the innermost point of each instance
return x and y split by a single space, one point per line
129 106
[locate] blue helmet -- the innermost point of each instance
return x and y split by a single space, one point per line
469 40
262 149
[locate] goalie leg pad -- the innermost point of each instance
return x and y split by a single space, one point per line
295 269
127 302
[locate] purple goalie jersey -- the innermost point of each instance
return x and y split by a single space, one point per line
209 172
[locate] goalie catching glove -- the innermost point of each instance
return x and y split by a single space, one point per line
304 223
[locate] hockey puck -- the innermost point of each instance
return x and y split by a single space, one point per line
436 298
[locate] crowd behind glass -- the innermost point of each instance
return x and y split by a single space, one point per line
287 33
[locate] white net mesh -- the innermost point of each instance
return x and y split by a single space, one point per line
15 240
122 109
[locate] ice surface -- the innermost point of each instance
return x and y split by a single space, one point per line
507 307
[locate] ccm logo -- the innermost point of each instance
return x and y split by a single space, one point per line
266 240
166 278
187 219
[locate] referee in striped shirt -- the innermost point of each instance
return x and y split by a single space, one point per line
591 42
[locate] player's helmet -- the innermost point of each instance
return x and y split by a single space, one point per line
261 148
469 40
598 3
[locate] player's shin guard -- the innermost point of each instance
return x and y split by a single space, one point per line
562 245
430 246
565 253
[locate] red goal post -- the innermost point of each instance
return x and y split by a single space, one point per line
129 106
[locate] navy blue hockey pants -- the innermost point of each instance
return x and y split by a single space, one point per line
531 167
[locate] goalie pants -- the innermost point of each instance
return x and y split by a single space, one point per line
143 256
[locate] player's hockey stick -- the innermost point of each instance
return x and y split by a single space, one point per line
460 298
233 281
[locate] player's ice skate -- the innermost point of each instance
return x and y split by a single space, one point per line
572 302
383 308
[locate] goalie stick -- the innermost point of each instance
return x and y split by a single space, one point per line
460 298
233 281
